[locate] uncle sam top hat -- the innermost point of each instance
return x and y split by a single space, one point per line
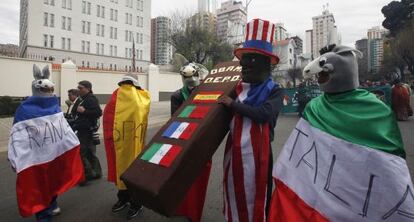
259 39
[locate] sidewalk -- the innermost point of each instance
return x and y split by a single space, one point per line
159 114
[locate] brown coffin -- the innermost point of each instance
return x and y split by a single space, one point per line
163 188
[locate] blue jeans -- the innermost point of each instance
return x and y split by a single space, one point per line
46 214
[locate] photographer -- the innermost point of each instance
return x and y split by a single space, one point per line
73 95
86 112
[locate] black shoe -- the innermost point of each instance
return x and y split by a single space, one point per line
134 211
120 205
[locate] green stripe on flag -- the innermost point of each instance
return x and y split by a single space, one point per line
151 151
357 117
187 111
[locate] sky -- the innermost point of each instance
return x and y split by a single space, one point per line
353 17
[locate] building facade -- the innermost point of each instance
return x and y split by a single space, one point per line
362 46
309 41
161 49
324 32
231 22
209 6
93 34
280 32
205 20
375 43
299 45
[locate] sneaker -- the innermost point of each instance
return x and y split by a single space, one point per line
56 211
134 211
120 205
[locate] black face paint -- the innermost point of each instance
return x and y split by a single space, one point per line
255 67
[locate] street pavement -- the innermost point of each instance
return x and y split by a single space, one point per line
94 201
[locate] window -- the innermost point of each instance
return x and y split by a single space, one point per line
63 3
89 8
44 40
88 47
83 27
83 46
126 35
83 7
69 4
102 31
98 10
126 18
98 29
115 52
116 33
103 12
45 19
69 24
102 49
97 48
69 44
63 22
46 2
89 27
52 20
111 14
52 38
116 15
63 43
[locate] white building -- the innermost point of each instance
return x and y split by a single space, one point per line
207 6
324 33
161 49
280 32
91 33
231 21
376 37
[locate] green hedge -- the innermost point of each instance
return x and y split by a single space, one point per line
8 105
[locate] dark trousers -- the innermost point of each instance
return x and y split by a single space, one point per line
46 214
124 196
91 164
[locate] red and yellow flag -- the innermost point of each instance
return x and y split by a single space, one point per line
125 121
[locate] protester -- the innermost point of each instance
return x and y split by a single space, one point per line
73 95
126 115
47 164
248 156
345 159
86 112
193 203
401 101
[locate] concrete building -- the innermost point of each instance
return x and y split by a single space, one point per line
161 49
205 20
375 56
93 34
231 21
309 42
299 45
324 32
209 6
280 32
10 50
362 45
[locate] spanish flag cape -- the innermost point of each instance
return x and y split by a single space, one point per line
344 161
125 121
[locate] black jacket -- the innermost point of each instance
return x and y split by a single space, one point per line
87 120
177 100
266 113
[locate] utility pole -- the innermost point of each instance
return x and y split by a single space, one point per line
247 5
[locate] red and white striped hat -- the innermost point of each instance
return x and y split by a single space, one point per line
259 39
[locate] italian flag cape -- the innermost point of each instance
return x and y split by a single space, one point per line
44 151
344 161
125 121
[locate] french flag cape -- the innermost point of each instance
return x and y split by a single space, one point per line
246 159
344 161
125 121
44 151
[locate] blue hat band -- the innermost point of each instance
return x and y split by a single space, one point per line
259 44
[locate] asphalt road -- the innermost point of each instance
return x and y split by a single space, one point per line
94 201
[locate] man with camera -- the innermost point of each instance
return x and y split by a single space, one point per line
86 112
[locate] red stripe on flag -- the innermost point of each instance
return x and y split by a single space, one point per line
238 173
200 112
255 28
189 131
287 206
108 128
265 30
170 156
37 185
248 31
273 34
226 184
261 152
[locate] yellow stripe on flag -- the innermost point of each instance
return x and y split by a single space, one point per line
130 127
207 96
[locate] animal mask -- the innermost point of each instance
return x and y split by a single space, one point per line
41 85
336 69
192 74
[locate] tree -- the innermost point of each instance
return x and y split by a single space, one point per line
295 74
196 43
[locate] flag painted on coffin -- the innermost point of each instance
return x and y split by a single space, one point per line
195 112
207 97
180 130
161 154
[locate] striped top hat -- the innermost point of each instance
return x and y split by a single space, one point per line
259 39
